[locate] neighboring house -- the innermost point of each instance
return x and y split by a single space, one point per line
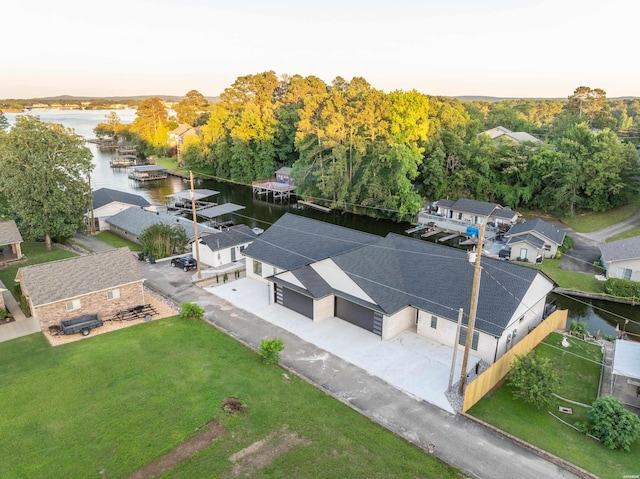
392 284
621 259
130 223
459 214
499 133
534 238
101 283
225 247
108 202
283 175
177 135
10 239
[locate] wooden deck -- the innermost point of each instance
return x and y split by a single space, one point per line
274 189
311 204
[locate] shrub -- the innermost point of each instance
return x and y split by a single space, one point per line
191 311
534 380
622 288
577 327
270 350
616 427
566 245
598 268
3 314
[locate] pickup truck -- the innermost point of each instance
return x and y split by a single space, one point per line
81 324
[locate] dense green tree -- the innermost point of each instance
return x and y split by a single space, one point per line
110 127
192 110
4 123
507 117
162 240
534 380
151 125
610 422
44 171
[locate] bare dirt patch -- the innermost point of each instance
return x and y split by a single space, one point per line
164 307
263 452
213 431
232 405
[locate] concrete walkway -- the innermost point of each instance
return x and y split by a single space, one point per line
22 326
477 451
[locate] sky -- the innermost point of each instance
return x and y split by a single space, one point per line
516 48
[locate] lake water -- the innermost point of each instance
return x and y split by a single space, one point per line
598 315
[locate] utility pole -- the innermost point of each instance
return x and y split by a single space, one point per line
475 291
195 226
455 349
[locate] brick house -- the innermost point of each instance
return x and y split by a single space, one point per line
101 283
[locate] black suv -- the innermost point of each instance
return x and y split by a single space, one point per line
184 262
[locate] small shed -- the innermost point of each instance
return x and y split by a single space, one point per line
283 175
626 372
10 239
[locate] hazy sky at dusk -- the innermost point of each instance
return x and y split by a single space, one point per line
502 48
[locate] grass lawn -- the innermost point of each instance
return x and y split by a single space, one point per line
36 253
588 222
627 234
569 279
117 241
579 379
170 164
110 404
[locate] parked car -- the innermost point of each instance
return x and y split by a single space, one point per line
504 253
184 262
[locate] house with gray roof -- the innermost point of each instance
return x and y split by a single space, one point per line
458 215
295 241
226 246
10 240
500 133
131 222
621 259
532 239
101 283
108 202
396 283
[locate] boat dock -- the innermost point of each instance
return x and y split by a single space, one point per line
430 233
448 237
278 190
414 229
147 173
311 204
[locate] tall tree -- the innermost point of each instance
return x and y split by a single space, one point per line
192 110
44 172
150 125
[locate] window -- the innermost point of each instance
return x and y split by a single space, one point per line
257 267
474 340
113 294
73 305
434 322
242 248
523 254
624 273
547 247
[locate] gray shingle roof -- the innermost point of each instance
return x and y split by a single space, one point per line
624 249
526 238
234 236
9 233
538 226
69 278
294 241
474 207
136 220
104 196
400 271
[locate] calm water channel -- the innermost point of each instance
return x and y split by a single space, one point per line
599 315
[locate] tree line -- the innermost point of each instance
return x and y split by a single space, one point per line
360 149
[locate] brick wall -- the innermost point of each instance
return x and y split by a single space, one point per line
94 303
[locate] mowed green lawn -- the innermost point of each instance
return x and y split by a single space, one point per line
107 405
579 370
36 253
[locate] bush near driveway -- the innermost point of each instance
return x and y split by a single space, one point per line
110 404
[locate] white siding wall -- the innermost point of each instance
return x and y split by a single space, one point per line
209 257
401 321
633 265
323 308
532 253
445 333
267 270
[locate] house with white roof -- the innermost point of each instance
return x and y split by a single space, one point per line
396 283
621 259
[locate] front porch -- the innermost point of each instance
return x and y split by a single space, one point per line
9 254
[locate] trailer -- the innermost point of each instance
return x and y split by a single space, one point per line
81 324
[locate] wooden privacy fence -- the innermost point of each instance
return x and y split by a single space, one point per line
484 383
